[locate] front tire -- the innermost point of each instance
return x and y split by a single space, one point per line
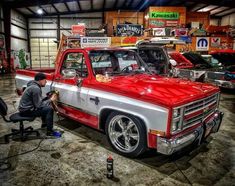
126 134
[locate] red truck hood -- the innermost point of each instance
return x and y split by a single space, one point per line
181 61
158 90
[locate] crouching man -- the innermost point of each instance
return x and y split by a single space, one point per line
32 103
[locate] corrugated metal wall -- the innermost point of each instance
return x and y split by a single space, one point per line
18 32
43 34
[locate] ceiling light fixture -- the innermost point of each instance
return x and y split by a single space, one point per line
39 11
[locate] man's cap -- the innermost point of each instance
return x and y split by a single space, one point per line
39 76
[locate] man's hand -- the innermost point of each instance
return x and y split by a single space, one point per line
54 97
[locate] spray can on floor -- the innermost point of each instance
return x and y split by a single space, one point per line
109 167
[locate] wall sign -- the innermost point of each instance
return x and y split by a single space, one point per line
159 32
172 23
164 15
128 41
215 41
129 30
79 29
95 41
202 44
181 32
153 23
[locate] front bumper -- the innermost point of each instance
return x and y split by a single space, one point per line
169 146
221 83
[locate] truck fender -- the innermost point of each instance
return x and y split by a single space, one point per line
104 112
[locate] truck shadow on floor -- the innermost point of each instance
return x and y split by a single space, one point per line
164 164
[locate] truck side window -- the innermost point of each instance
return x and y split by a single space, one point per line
75 61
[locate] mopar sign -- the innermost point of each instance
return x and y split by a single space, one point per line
202 44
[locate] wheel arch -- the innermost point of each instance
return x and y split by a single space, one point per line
106 111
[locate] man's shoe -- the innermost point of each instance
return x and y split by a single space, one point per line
50 133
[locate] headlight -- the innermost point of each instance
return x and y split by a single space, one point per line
191 73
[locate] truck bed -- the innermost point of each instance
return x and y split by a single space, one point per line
49 72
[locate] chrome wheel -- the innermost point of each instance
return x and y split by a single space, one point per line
123 133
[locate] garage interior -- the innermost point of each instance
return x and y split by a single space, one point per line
79 157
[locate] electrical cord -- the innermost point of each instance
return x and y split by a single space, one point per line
182 173
8 164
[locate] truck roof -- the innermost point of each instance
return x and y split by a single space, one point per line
99 48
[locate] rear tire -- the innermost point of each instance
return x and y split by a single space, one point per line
126 134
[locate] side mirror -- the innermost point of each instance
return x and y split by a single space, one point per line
69 73
173 62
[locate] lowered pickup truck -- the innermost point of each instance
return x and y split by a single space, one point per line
113 90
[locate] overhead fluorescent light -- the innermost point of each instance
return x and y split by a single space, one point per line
39 11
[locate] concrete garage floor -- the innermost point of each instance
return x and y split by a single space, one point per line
79 156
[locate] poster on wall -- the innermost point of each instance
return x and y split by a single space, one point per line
202 44
172 23
181 32
159 32
156 23
215 41
129 30
128 41
21 59
95 42
3 61
79 29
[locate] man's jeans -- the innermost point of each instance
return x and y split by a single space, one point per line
45 112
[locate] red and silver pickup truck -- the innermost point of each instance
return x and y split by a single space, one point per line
112 90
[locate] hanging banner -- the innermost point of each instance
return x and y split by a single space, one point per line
215 41
95 42
79 29
202 44
129 30
164 15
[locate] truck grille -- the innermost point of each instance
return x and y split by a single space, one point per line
215 75
197 111
184 73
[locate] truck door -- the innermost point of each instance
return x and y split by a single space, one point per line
72 98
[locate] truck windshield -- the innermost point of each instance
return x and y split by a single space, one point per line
117 62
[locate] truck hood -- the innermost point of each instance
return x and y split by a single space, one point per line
158 90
